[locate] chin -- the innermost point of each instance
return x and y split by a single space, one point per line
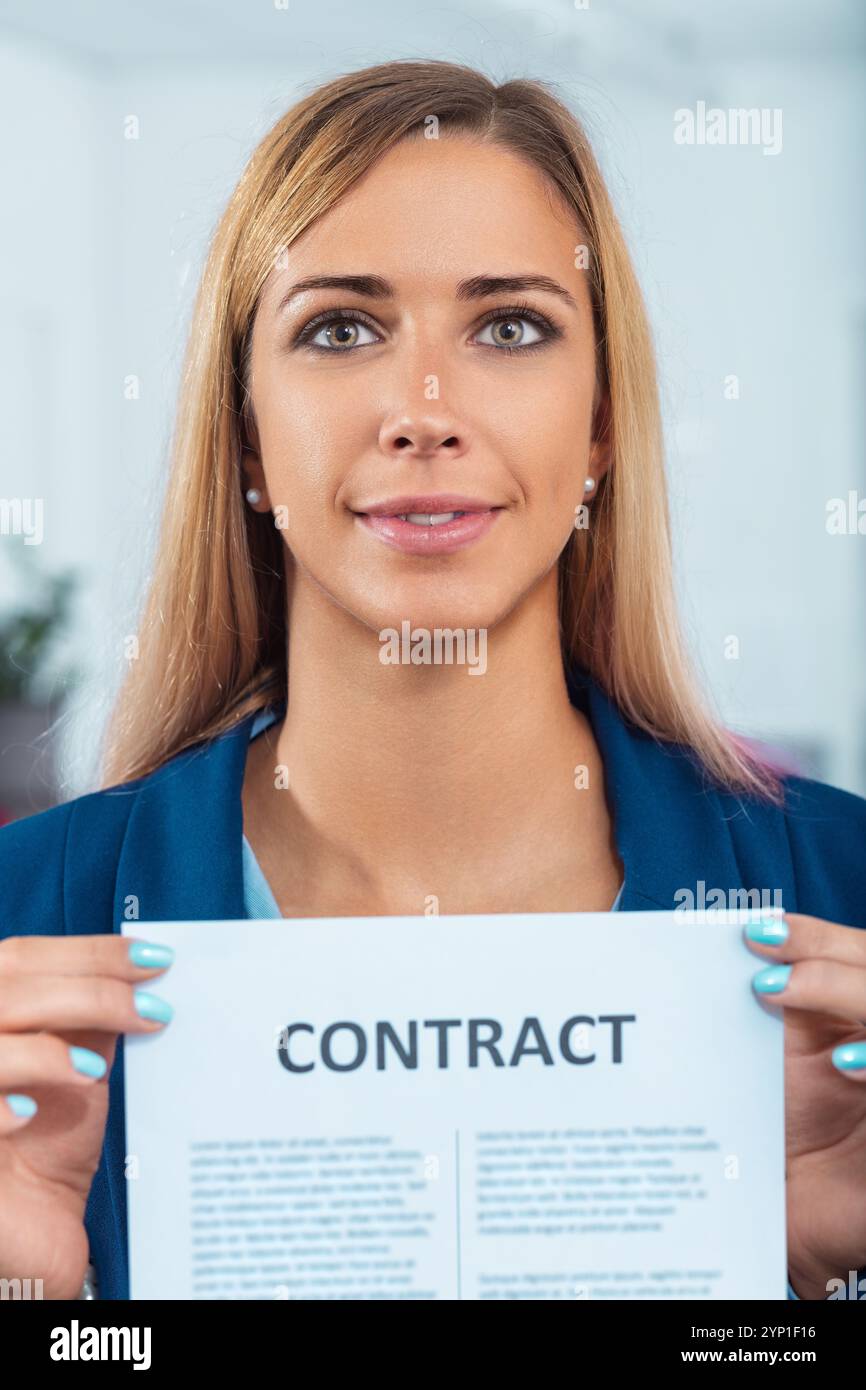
458 608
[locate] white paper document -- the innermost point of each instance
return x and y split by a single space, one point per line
542 1106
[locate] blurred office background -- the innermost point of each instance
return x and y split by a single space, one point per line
752 264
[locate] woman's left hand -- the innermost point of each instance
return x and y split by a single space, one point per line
817 972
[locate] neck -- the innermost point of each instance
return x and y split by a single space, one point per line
411 777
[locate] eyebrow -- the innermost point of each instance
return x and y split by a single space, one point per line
476 287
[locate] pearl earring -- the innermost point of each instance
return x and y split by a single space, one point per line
253 496
589 485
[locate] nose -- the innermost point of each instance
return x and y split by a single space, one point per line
423 434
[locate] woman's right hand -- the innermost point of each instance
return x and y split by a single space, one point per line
63 999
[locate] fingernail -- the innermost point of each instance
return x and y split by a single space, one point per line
849 1056
151 1006
87 1062
767 931
150 954
22 1106
772 979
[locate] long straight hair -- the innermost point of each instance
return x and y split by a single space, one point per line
212 637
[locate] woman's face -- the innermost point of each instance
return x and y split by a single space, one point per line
425 389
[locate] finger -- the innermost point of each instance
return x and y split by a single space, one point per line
850 1059
816 986
127 958
793 936
41 1059
15 1112
30 1002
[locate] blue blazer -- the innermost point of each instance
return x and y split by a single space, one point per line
173 839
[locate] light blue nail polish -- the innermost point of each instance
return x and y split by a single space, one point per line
772 979
151 1006
850 1056
148 953
767 931
87 1062
22 1106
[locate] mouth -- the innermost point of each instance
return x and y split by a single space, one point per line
431 524
430 518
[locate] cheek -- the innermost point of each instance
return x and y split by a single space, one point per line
306 453
545 431
551 472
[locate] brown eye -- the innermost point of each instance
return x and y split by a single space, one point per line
339 333
512 331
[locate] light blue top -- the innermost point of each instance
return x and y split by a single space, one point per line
260 902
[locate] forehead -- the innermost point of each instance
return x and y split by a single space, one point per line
432 212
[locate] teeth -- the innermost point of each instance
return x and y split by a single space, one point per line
429 518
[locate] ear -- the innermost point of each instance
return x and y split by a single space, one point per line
253 473
601 446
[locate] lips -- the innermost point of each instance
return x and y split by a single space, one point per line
431 524
427 504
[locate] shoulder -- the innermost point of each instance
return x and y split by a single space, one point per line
826 827
102 813
821 829
41 854
59 866
808 802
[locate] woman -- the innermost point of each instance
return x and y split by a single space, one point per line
419 398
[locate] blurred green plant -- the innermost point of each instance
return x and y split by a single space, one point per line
29 631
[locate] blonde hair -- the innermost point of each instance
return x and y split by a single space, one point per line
212 639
